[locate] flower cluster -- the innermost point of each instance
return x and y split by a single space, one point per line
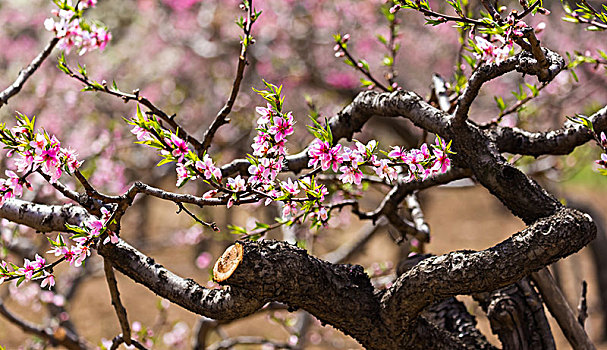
33 151
174 149
418 163
490 52
84 236
499 48
31 270
422 164
73 31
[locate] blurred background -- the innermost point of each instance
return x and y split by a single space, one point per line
182 55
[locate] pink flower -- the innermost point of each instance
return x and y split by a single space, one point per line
94 226
39 262
80 253
289 209
323 214
260 146
259 172
13 183
49 280
28 269
328 157
442 162
208 168
141 133
290 187
398 153
209 194
181 147
265 114
350 175
237 184
111 237
183 174
385 171
282 128
24 162
490 52
70 159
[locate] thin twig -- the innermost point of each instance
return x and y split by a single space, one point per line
222 116
135 96
346 251
517 105
447 18
60 336
278 224
582 309
212 225
119 339
365 72
488 4
27 72
118 307
528 10
560 309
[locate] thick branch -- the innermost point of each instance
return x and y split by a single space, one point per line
561 141
340 295
43 218
546 67
464 272
219 304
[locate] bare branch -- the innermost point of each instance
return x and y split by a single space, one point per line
118 307
464 272
27 72
560 309
561 141
222 116
60 336
43 218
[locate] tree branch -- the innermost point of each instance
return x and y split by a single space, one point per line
561 141
118 307
27 72
465 272
60 336
560 309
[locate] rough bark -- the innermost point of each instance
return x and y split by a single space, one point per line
516 314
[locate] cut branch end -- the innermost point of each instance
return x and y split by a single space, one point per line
227 263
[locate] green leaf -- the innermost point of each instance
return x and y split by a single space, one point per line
500 103
261 225
382 39
20 280
387 61
164 161
366 82
74 228
237 230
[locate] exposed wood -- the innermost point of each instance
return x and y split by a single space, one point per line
227 263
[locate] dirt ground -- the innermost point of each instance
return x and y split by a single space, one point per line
460 218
